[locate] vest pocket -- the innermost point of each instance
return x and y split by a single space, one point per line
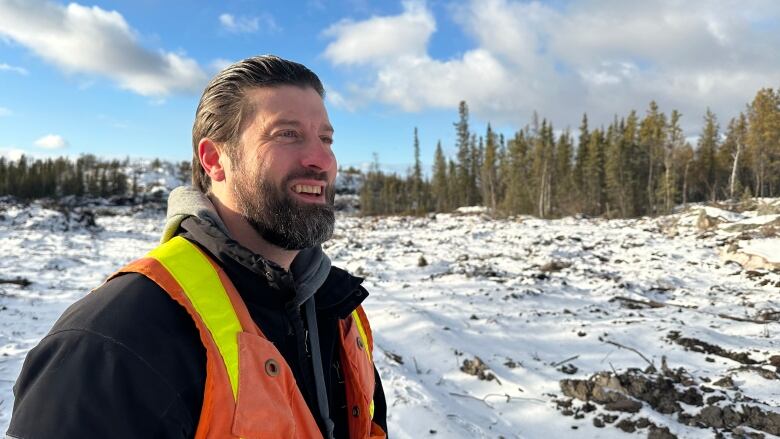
264 406
361 369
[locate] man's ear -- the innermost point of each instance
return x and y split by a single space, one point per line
212 159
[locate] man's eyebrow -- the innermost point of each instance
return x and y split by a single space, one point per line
277 122
293 122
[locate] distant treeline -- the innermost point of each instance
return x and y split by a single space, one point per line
30 179
635 166
87 175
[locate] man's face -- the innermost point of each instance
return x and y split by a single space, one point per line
283 169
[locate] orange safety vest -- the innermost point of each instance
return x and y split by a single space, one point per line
250 391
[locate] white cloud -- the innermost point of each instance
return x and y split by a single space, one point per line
603 57
264 22
51 141
5 112
381 38
91 40
16 69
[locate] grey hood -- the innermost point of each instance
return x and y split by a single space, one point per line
309 269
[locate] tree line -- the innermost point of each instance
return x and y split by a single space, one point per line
57 177
637 165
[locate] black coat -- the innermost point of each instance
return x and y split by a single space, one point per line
126 361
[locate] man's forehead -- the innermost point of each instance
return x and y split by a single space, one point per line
287 105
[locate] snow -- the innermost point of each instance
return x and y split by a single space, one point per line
526 296
768 249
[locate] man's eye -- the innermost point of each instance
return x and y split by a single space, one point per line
327 139
288 133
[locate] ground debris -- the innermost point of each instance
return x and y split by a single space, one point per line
665 392
697 345
553 266
395 357
21 281
478 368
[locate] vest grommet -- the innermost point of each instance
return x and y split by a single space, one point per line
360 342
271 367
355 411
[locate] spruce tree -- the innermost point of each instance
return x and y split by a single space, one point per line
564 186
674 141
462 184
651 140
582 154
763 140
440 182
418 199
706 157
489 171
617 169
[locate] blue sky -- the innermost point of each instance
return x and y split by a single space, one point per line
122 79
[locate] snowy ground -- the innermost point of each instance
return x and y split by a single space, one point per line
537 301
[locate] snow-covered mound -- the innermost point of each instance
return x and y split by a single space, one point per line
749 238
479 323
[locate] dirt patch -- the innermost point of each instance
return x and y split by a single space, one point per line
554 266
697 345
478 368
667 392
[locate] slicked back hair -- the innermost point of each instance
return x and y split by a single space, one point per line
222 110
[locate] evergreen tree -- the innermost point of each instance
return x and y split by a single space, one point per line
683 159
418 198
476 150
674 141
706 157
763 140
489 174
731 155
517 197
651 139
462 184
453 196
617 169
371 190
594 175
563 194
582 154
440 182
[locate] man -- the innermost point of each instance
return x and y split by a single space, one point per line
237 325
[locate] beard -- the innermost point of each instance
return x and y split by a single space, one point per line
278 217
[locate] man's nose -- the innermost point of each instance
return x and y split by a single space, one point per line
318 155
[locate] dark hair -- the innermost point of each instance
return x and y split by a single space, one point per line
222 109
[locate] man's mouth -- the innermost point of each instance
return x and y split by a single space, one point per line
309 192
306 189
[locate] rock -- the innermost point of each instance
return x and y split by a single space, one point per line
712 416
477 368
626 425
706 222
421 261
725 382
660 433
553 266
624 405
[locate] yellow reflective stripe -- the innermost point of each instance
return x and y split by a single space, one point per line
202 285
364 337
356 318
